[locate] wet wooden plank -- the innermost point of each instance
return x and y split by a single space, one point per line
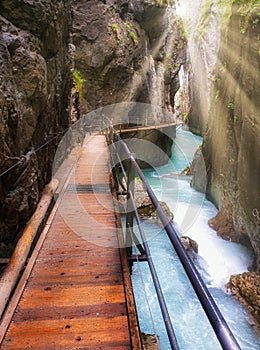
76 249
75 295
91 204
69 334
68 312
77 270
105 276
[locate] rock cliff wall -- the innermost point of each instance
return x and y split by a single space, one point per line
232 140
124 51
230 121
203 53
128 51
35 83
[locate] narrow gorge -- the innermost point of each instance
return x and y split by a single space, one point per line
191 62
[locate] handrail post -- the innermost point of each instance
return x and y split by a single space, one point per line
130 211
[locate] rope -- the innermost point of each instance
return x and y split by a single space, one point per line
12 167
46 143
26 158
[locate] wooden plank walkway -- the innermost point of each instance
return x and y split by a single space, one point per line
75 296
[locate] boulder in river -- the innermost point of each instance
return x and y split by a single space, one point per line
148 213
150 341
190 246
144 204
246 288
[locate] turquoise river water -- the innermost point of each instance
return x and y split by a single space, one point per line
217 260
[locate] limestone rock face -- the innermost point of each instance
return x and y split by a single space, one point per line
223 224
35 83
152 148
198 172
128 51
229 117
231 143
202 21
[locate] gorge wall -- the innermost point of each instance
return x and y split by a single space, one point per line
35 84
122 51
129 51
229 117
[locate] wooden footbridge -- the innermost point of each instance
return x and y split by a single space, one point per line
75 291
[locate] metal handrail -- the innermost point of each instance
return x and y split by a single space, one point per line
162 302
218 323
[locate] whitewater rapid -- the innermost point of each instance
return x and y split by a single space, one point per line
216 261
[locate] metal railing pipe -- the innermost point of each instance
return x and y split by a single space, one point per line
221 329
161 300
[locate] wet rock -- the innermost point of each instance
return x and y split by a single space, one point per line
186 171
35 84
222 223
198 172
190 245
144 205
246 288
141 196
6 249
150 341
148 213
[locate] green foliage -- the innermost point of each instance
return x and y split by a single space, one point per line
164 2
204 18
230 105
248 10
238 90
128 26
78 82
134 38
185 117
131 33
114 27
224 9
217 95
